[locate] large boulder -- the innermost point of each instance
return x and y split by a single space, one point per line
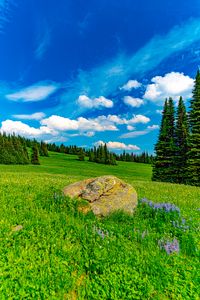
104 194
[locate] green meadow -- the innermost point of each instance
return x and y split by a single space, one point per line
59 253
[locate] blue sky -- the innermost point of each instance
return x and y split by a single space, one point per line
86 72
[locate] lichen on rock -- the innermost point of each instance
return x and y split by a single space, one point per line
104 194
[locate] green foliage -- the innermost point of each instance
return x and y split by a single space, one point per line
12 150
60 253
81 155
163 168
144 157
194 140
35 155
43 149
181 143
102 155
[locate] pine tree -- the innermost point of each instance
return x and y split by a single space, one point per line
43 149
35 155
194 140
181 142
163 167
81 155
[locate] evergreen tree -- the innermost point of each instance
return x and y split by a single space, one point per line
163 167
81 155
181 142
43 149
194 140
35 155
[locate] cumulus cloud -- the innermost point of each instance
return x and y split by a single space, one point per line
87 102
130 128
118 120
81 124
33 93
118 145
60 126
153 127
134 102
139 119
108 77
35 116
131 84
173 85
22 129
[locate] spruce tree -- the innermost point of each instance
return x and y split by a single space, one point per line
163 167
81 155
194 140
43 149
35 155
181 142
159 163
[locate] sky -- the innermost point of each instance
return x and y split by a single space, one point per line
89 72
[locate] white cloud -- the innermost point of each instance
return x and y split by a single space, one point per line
114 119
81 124
87 102
137 133
131 84
43 40
173 85
102 80
60 126
118 145
153 127
134 102
134 134
139 119
36 92
22 129
35 116
130 128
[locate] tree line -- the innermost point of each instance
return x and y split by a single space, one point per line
144 157
18 150
178 147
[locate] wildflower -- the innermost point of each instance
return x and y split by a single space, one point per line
167 207
170 246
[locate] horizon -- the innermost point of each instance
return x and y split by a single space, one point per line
83 73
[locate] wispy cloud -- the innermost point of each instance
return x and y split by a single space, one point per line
6 7
36 116
137 133
33 93
43 41
107 78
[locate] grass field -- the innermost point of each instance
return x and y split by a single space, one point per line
61 254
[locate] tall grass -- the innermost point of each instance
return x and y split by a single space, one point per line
59 253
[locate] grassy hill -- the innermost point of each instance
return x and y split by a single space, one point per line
60 254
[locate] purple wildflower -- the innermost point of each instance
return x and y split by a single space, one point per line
167 207
170 246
